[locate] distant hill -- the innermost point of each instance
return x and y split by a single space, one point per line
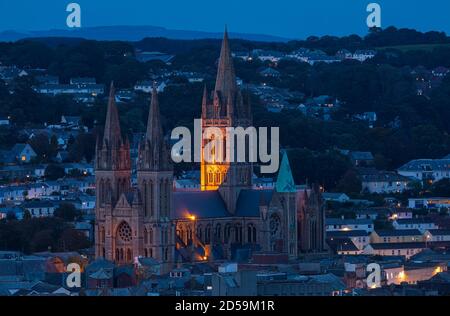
132 33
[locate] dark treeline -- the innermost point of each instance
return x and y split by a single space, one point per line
408 127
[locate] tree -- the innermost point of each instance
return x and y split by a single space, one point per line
11 216
54 172
350 183
441 188
67 212
72 240
27 215
43 240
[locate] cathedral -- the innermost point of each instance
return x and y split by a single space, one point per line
225 217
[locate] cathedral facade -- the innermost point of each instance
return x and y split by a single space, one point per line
224 216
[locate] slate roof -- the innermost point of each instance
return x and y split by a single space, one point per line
398 232
401 245
439 232
209 204
344 234
426 165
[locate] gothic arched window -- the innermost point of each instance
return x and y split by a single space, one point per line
218 233
150 236
145 236
274 224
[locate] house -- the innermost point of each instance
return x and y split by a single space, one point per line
47 79
40 208
380 182
270 72
16 172
339 224
359 238
86 203
9 73
144 86
343 246
420 224
125 95
267 55
429 170
22 153
405 249
369 117
361 158
83 80
72 121
71 89
86 229
4 121
396 236
144 57
82 168
412 272
440 72
5 211
335 197
400 213
344 54
363 55
436 235
367 214
433 202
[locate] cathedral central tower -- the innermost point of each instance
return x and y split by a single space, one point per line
221 109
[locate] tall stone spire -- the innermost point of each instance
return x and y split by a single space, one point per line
226 78
154 153
112 135
154 128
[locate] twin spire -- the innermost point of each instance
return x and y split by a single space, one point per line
112 135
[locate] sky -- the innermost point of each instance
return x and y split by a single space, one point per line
285 18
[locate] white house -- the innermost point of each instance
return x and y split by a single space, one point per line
360 238
374 181
338 224
420 224
426 169
406 249
336 197
436 235
434 202
40 208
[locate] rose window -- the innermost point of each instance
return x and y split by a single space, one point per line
125 232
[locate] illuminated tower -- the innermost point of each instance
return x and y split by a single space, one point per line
225 108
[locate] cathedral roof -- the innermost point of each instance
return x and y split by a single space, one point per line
209 204
285 182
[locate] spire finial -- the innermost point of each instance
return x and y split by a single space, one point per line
226 78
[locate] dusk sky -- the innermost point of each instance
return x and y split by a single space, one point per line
287 18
